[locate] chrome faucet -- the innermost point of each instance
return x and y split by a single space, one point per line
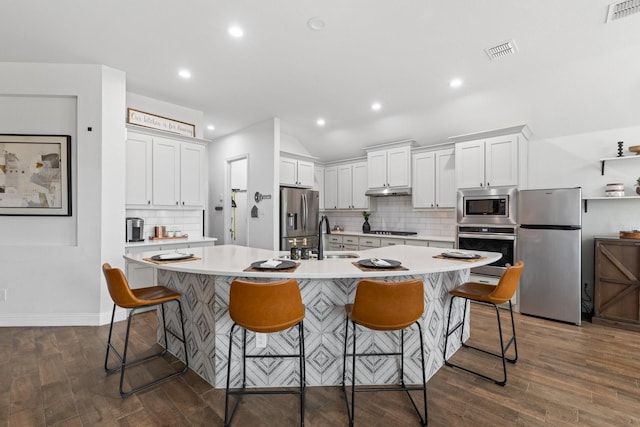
324 219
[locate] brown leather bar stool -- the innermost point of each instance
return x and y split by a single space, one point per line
385 306
135 299
264 308
494 295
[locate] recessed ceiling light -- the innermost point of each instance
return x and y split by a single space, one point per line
316 24
455 83
376 106
321 122
211 127
236 31
185 74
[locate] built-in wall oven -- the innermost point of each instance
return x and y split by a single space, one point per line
491 239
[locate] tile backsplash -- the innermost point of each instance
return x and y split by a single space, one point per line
186 221
396 213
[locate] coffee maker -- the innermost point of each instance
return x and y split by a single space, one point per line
135 230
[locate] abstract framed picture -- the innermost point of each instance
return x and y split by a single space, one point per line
35 175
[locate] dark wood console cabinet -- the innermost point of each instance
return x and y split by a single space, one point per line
617 284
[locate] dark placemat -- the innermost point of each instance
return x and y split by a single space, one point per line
380 269
252 269
171 261
460 259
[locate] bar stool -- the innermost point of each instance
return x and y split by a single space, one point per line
494 295
385 306
136 299
264 308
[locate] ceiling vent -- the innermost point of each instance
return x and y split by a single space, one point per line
622 9
503 49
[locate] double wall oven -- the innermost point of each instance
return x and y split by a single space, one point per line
487 221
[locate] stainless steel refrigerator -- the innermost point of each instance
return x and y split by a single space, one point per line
299 215
550 245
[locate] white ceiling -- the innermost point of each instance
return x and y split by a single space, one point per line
573 72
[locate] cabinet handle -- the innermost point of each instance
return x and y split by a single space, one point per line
481 185
176 203
148 202
182 203
488 185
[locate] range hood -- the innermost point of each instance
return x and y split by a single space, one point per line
383 192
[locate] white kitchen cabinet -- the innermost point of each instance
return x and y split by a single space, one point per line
385 241
296 172
345 186
318 185
164 173
192 171
331 187
389 168
368 242
434 179
138 169
491 160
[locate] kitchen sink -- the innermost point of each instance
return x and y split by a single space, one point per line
340 256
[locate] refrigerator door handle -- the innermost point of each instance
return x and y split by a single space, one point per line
303 199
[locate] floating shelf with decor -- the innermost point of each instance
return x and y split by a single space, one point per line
607 159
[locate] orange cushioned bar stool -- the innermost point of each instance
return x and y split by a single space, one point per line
264 308
494 295
136 299
385 306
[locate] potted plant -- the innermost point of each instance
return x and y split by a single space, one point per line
366 227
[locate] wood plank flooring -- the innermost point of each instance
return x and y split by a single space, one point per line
566 376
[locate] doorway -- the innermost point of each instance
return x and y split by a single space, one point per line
237 221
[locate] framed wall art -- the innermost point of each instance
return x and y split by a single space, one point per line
35 175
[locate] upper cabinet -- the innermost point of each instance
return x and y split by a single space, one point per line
491 159
296 172
318 184
164 173
138 169
389 165
434 179
345 186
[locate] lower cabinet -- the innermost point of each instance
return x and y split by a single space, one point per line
617 283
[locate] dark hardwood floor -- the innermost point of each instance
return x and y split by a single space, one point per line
566 375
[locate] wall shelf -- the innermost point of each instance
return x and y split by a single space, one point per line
606 159
586 199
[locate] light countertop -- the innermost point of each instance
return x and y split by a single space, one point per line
231 260
166 242
391 236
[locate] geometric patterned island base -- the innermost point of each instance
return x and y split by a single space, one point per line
205 304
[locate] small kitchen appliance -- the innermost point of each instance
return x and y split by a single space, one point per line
134 230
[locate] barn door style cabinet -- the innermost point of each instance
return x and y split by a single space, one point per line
617 283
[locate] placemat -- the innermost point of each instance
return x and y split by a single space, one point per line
460 259
251 269
170 261
363 268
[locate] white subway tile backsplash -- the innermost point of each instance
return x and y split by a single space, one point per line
185 221
397 214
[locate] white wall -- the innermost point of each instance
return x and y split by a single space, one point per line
51 266
573 161
261 142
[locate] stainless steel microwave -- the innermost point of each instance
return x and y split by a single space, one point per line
496 205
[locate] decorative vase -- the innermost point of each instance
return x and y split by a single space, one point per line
366 227
637 190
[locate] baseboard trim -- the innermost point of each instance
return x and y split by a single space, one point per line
61 319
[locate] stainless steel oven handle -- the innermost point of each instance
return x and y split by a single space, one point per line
487 236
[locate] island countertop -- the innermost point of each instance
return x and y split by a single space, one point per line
232 260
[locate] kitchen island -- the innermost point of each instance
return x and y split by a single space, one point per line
326 286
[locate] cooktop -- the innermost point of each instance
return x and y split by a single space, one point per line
394 233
